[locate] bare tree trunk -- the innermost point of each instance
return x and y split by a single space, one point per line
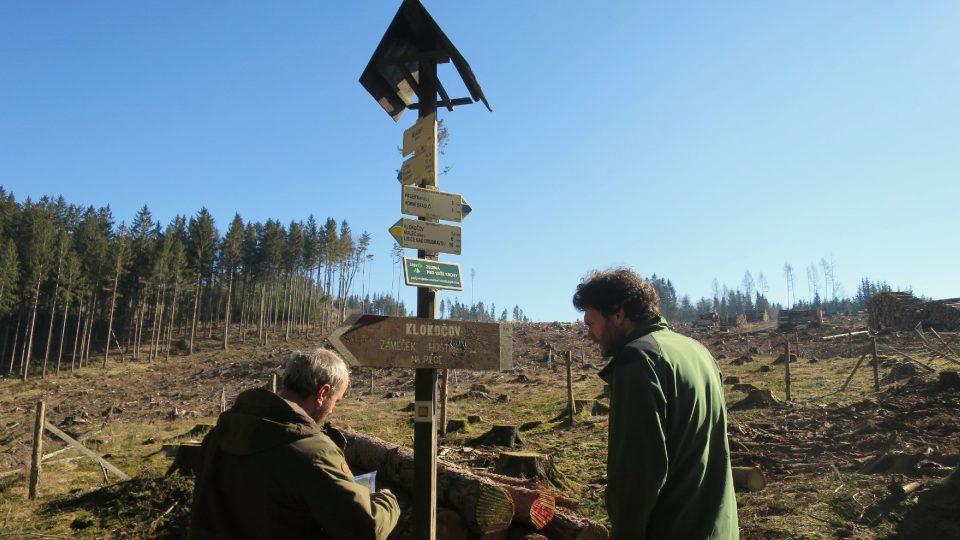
113 305
53 315
226 313
16 338
33 323
76 336
260 322
85 357
63 327
157 323
244 301
289 306
196 307
173 313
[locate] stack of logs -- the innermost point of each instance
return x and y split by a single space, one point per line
471 505
792 318
903 311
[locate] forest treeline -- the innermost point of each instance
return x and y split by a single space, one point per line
750 298
73 283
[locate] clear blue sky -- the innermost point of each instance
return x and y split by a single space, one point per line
694 140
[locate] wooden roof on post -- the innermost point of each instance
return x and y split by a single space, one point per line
392 75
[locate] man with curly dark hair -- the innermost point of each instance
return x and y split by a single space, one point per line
668 458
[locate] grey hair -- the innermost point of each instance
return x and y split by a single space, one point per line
307 371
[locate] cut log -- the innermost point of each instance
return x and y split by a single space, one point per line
531 484
902 490
528 465
450 526
518 533
748 479
566 526
484 505
500 435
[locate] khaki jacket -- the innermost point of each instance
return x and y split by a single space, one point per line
270 472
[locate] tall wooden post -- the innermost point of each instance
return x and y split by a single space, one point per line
798 345
273 383
223 400
425 383
876 367
786 354
37 449
571 404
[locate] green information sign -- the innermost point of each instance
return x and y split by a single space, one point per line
433 274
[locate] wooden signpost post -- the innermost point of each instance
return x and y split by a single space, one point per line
404 66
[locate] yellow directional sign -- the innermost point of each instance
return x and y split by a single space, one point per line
421 135
433 204
421 168
427 236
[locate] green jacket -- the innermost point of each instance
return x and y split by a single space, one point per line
270 472
668 460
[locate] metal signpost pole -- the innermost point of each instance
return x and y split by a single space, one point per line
425 385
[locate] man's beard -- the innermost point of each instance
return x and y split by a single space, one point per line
322 412
612 341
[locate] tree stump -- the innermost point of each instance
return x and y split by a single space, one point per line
950 380
528 465
456 424
591 407
756 399
508 436
474 419
188 460
748 479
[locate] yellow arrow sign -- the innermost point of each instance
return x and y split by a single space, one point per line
435 237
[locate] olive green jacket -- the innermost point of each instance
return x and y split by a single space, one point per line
270 472
668 460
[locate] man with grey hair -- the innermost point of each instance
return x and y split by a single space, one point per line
270 470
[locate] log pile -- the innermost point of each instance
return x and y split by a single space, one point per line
708 320
903 311
891 310
488 508
788 319
941 314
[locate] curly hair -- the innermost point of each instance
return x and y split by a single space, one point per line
608 291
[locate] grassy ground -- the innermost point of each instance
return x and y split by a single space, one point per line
821 431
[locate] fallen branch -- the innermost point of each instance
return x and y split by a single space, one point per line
85 451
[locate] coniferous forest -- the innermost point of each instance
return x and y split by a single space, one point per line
76 287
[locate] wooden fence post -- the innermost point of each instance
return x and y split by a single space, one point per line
550 357
571 404
798 345
37 449
223 400
786 354
273 383
444 379
876 367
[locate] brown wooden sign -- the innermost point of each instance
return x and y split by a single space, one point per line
377 341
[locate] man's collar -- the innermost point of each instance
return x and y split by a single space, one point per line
639 330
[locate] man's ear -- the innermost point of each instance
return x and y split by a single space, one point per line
324 392
619 315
